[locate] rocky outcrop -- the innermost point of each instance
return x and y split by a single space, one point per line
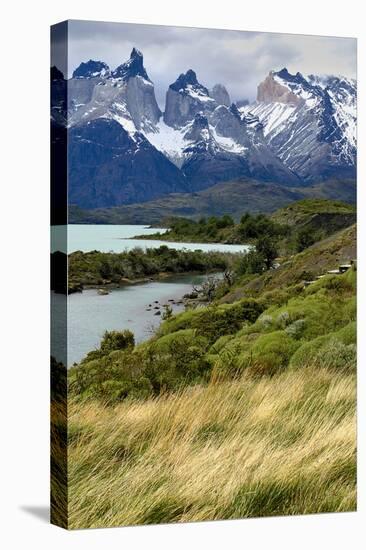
310 123
270 91
141 103
127 95
185 98
228 123
199 130
131 68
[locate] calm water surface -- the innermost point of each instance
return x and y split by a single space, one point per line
117 238
90 314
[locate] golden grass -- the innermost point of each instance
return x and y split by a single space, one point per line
250 447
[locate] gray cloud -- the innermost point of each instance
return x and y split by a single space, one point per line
237 59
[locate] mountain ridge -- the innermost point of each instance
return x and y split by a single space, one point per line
301 130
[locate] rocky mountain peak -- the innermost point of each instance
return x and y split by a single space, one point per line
184 98
295 79
186 81
91 69
220 94
136 53
283 73
199 136
274 88
133 67
301 129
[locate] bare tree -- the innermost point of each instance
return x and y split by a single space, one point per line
228 276
207 289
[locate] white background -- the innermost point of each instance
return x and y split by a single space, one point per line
24 272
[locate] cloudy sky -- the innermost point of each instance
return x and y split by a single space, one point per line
237 59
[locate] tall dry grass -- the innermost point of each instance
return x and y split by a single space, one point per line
250 447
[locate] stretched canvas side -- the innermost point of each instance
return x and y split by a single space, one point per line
58 105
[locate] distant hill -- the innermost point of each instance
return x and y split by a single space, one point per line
318 215
234 198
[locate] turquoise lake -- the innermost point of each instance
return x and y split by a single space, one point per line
90 314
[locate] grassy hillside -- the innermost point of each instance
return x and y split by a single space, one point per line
322 215
343 190
315 260
241 407
232 198
233 410
224 198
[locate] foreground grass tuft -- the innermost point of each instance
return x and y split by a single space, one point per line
243 448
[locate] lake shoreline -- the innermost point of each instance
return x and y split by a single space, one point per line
136 307
117 282
166 238
126 282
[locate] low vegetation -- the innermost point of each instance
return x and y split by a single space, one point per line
289 230
108 268
222 229
261 336
295 268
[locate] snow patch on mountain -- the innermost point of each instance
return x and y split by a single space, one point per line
228 144
120 114
169 141
197 93
273 116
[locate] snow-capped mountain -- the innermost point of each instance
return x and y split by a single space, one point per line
123 149
110 160
212 141
125 95
309 122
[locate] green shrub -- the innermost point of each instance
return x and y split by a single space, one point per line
220 344
321 314
348 334
308 352
296 329
330 353
334 350
187 337
337 355
350 309
227 363
250 263
267 248
216 321
266 321
272 352
115 340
